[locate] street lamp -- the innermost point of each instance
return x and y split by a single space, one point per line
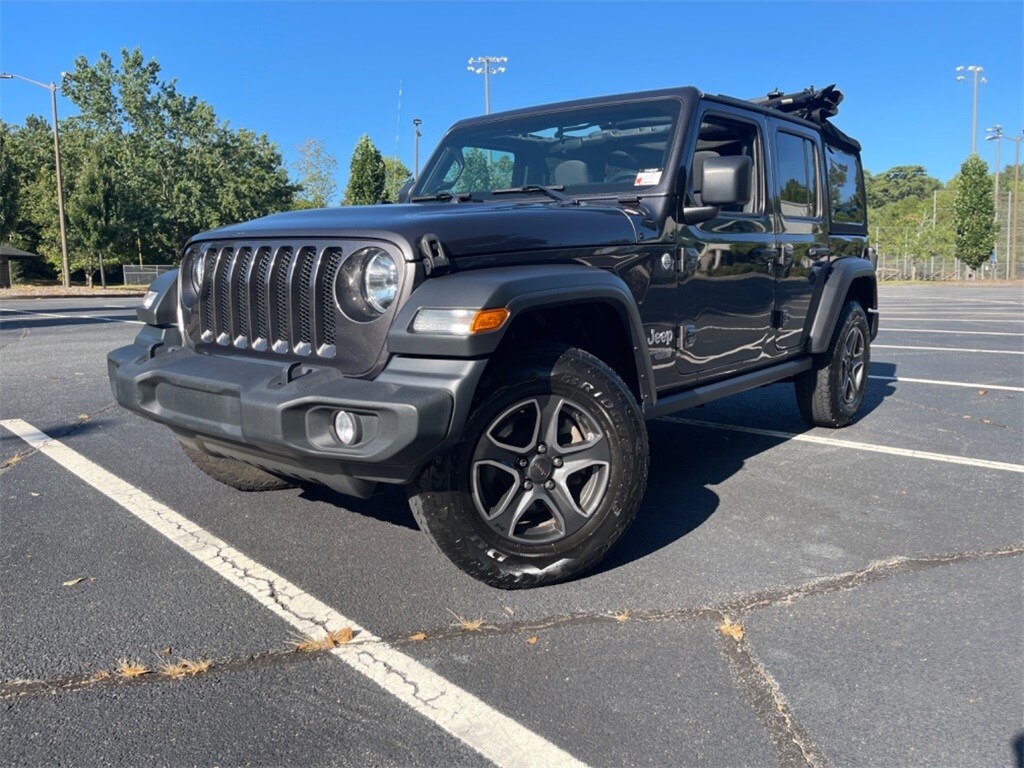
976 71
995 134
483 65
1012 218
52 88
416 144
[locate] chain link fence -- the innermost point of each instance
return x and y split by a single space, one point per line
906 267
144 275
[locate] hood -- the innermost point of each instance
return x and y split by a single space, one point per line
465 229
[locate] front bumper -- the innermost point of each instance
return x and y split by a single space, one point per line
279 416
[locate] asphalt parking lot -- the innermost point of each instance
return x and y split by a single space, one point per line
786 596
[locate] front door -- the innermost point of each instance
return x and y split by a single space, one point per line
726 292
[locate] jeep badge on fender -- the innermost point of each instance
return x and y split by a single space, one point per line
554 278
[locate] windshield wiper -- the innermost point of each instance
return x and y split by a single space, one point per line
555 193
458 197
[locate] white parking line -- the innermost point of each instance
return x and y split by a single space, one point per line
951 332
870 447
902 379
497 737
72 317
950 349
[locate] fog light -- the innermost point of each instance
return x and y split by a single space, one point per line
346 427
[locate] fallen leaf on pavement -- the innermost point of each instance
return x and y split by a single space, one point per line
532 640
72 582
418 636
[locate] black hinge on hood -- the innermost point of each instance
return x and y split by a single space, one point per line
435 260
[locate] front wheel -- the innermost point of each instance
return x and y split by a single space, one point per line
831 393
550 473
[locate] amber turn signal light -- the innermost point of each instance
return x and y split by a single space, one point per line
488 320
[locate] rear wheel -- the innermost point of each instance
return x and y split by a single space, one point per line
551 472
239 476
831 393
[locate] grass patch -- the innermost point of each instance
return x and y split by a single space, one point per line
128 669
621 616
468 625
331 640
184 667
729 629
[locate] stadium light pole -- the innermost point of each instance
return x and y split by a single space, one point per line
995 134
416 146
52 88
484 65
978 79
1012 215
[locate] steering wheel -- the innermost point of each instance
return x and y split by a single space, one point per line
623 176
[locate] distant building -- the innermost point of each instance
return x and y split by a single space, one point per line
8 252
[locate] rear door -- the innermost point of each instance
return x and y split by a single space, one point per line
803 235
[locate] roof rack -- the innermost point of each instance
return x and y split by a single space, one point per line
809 104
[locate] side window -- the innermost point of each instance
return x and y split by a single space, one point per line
845 192
796 171
724 137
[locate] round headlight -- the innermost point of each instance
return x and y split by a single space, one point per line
380 280
198 271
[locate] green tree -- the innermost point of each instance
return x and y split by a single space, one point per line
96 217
899 183
973 213
476 174
316 168
9 183
176 168
395 175
501 172
367 174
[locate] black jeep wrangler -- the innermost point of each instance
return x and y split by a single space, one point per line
554 277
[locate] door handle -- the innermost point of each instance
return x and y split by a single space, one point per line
764 255
819 252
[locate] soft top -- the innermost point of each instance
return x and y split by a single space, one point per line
813 105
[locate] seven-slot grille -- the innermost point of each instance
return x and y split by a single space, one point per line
269 297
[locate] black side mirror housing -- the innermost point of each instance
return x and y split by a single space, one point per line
726 180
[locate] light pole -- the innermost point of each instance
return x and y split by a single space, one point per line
416 146
996 133
1012 216
1016 203
976 71
52 88
483 65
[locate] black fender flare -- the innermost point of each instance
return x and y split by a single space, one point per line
160 307
518 289
837 285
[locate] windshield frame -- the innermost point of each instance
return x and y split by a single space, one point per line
461 135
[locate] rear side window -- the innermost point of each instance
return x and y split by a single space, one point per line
797 176
845 187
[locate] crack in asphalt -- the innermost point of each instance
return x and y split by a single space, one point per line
964 416
24 333
755 677
792 743
11 461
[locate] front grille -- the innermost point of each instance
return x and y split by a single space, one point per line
269 298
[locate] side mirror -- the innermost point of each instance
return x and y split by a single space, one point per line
726 180
403 191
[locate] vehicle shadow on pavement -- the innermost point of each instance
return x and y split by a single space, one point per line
683 470
388 505
1018 750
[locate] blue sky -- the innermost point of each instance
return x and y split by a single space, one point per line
333 70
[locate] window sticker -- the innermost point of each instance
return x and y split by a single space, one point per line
647 177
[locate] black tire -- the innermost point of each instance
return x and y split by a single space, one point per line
239 476
514 526
831 393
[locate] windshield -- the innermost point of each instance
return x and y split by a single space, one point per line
603 150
